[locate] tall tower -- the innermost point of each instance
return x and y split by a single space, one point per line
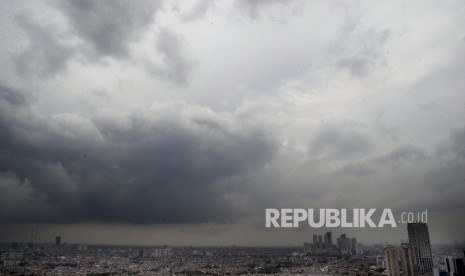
353 246
455 265
392 262
328 240
58 241
418 237
315 244
407 259
345 243
320 243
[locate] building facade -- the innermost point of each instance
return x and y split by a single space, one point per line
419 241
392 261
407 259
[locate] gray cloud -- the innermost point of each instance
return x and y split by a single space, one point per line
253 8
443 185
109 26
199 10
47 52
176 66
359 49
458 142
149 166
12 96
16 198
392 160
339 142
292 104
401 154
358 170
97 30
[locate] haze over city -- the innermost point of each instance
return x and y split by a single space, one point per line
180 122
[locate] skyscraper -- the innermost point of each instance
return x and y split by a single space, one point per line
418 237
58 241
407 259
315 244
328 240
353 246
392 261
455 265
345 244
320 243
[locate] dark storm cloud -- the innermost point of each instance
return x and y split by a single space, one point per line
163 164
11 96
109 26
16 199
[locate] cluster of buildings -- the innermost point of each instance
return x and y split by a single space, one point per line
324 256
155 252
115 260
415 257
412 258
323 245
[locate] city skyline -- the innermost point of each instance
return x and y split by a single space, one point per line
180 123
320 239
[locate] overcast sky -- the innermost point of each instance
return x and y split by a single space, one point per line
179 122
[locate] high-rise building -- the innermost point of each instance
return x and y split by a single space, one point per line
320 242
345 245
353 246
455 266
419 241
58 241
328 240
407 259
392 261
315 244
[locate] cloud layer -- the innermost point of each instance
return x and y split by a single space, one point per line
164 163
191 113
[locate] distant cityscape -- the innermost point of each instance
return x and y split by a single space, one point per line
412 258
325 255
